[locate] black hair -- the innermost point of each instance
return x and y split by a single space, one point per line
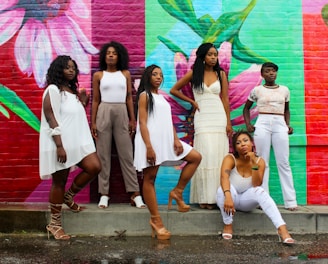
269 65
122 56
145 85
199 66
234 140
55 74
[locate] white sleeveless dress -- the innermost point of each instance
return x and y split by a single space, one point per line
211 141
75 133
160 127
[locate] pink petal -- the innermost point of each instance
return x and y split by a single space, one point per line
7 3
84 41
66 42
10 22
176 108
23 44
225 56
192 59
41 53
181 68
79 8
239 120
241 85
180 65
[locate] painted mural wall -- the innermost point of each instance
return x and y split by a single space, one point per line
293 34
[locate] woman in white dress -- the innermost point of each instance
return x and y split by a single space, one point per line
65 140
211 121
156 142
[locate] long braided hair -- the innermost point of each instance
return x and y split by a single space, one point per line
146 86
199 67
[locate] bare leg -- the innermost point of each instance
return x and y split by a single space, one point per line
284 235
56 198
91 167
151 201
193 159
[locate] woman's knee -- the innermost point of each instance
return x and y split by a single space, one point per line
194 157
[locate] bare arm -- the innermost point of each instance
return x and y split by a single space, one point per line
247 118
50 117
257 166
96 98
175 90
129 102
225 101
287 118
228 164
143 116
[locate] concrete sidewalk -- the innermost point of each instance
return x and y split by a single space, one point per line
135 222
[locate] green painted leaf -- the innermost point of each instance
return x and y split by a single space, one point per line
4 111
228 25
243 53
12 101
183 10
171 46
205 22
324 14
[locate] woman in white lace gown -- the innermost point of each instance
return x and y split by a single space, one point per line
211 121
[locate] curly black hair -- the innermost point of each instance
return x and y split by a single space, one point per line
145 85
55 74
199 66
122 52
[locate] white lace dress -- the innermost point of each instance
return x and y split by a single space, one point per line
211 141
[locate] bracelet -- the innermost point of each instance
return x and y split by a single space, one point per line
226 191
255 168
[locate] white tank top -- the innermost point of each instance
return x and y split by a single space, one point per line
113 87
240 183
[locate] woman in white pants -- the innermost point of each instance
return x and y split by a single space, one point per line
241 179
272 127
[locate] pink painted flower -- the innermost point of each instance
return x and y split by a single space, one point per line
45 29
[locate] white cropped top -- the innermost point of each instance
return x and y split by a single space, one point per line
270 100
113 87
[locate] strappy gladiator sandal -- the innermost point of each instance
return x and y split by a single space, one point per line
158 229
55 227
177 196
69 201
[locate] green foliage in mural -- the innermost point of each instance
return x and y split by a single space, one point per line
12 101
324 14
225 28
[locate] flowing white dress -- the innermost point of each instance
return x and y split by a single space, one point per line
160 127
211 141
74 129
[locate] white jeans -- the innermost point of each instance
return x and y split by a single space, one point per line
272 129
248 201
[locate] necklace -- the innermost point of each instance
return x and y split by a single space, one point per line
271 87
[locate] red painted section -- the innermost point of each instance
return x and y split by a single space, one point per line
19 154
316 111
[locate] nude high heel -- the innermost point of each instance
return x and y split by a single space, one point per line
182 207
55 227
158 229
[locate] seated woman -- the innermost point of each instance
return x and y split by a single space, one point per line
241 178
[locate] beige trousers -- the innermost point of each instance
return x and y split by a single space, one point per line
112 121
